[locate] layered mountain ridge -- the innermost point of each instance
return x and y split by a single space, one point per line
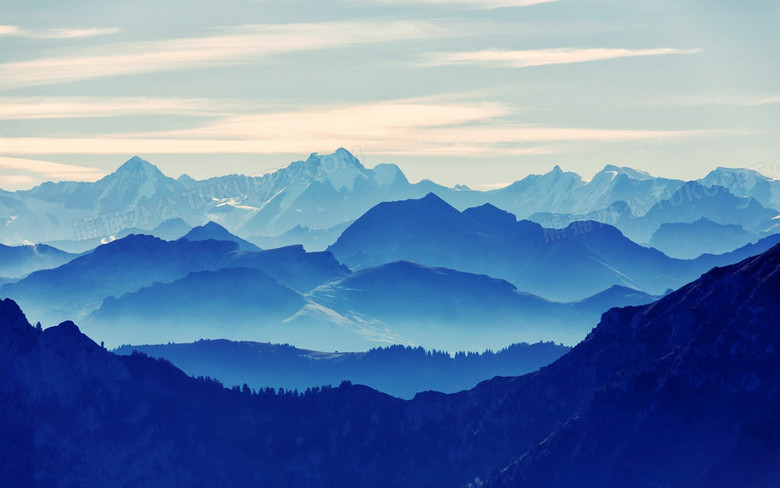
680 392
328 191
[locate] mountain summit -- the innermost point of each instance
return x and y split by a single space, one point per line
329 191
214 231
137 165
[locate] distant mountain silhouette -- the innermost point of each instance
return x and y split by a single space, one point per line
746 183
18 261
689 240
487 241
396 370
113 269
401 302
689 203
312 240
230 302
327 191
452 310
566 264
293 266
212 230
137 261
680 392
616 296
694 201
171 229
566 192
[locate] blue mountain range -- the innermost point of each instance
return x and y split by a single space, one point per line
679 392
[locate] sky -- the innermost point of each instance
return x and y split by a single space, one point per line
475 92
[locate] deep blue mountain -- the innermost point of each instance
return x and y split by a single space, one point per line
293 266
688 240
680 392
228 303
487 241
616 296
113 269
396 370
686 393
452 310
137 261
565 264
214 231
402 303
18 261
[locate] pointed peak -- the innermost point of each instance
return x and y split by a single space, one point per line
135 162
432 197
138 166
343 153
557 172
214 231
491 216
488 209
209 230
211 225
186 180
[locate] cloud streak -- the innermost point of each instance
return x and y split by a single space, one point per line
405 127
17 173
729 100
542 57
232 46
16 31
475 4
30 108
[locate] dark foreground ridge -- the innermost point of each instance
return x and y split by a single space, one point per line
681 392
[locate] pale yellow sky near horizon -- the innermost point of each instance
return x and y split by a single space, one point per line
474 92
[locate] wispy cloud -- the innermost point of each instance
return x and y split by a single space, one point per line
17 173
231 46
24 108
16 31
732 100
542 57
428 127
476 4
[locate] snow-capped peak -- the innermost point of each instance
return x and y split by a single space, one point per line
632 173
340 168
